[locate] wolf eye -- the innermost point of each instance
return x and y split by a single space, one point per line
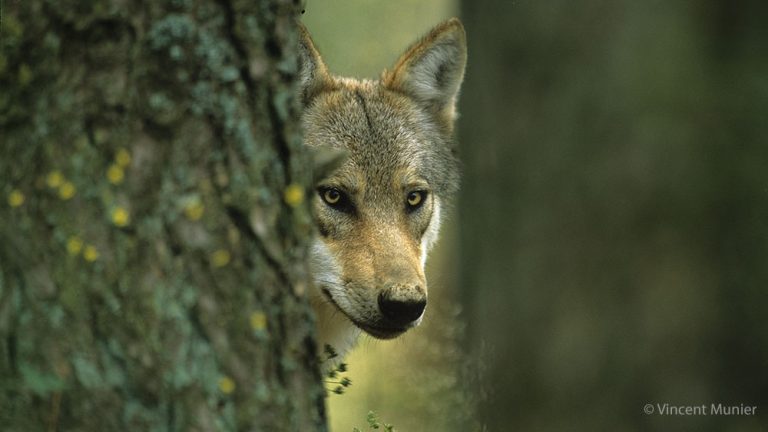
415 199
331 196
336 199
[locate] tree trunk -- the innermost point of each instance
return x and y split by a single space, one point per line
153 255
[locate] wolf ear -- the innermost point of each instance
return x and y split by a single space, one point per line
431 70
313 75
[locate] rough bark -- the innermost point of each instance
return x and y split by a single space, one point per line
152 262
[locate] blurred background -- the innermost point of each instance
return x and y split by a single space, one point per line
610 246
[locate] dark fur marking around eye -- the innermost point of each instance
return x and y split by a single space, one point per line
343 202
323 229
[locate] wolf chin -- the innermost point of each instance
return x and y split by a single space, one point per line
378 214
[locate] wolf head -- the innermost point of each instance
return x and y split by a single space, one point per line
379 213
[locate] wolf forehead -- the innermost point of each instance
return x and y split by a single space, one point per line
384 133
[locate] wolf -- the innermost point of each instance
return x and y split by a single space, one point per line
379 213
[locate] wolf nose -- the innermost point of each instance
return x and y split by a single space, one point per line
401 312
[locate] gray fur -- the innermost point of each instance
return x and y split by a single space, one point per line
397 133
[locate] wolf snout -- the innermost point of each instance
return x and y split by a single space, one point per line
401 312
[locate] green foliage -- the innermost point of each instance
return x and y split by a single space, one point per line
41 383
335 382
374 424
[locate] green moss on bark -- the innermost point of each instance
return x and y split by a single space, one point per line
144 225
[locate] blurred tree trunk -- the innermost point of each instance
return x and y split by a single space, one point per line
613 211
152 262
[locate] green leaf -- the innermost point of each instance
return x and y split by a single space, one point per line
39 382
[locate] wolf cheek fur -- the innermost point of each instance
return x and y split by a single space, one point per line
378 214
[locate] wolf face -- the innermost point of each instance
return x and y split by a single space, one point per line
378 214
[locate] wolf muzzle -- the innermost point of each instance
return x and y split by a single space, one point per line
400 312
